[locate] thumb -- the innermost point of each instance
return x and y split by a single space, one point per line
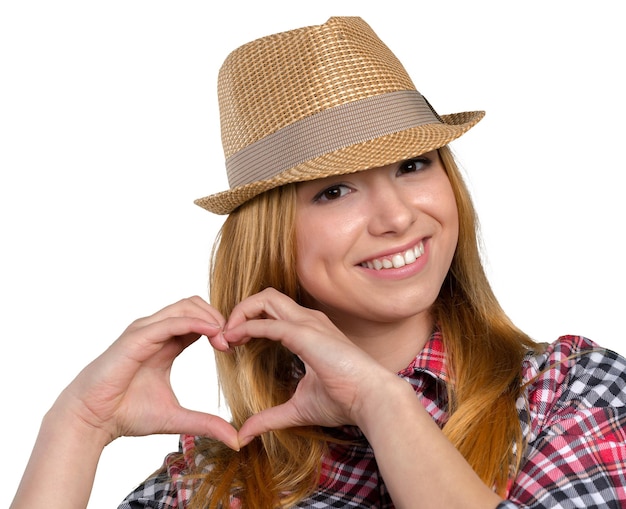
275 418
208 425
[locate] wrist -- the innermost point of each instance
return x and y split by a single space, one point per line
65 424
385 400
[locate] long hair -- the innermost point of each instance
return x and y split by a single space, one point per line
484 352
256 249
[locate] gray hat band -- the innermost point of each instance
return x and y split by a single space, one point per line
327 131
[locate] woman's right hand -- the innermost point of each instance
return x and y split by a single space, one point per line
126 391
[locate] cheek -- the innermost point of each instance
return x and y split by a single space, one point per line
438 201
307 243
324 243
309 267
451 223
326 235
442 207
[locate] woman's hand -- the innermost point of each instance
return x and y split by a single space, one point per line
338 373
127 391
344 385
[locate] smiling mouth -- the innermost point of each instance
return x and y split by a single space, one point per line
397 260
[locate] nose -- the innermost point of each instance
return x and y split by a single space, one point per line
391 209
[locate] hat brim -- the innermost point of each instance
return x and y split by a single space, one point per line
359 157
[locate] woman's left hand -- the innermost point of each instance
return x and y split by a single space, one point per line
338 373
344 385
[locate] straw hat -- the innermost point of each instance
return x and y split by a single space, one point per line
318 101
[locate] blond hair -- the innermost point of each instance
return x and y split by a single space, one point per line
484 352
256 249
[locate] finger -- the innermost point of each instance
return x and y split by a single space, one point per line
279 417
207 308
202 424
141 344
191 307
268 303
219 342
308 340
292 335
329 354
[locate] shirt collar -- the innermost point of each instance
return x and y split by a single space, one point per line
431 360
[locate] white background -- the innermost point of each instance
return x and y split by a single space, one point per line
109 130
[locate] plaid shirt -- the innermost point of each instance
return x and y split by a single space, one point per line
573 417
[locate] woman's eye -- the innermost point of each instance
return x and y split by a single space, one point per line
332 193
413 165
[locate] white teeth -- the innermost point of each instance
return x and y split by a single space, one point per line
409 256
397 260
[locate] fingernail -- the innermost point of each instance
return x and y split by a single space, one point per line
222 339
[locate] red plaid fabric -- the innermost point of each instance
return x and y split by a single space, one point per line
573 416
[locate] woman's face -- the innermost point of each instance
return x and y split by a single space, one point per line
376 245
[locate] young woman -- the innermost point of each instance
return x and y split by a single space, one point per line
363 356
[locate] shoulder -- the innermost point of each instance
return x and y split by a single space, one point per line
574 376
575 359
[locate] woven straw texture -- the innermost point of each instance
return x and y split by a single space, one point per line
271 84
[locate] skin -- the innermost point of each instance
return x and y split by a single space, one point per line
358 327
346 220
